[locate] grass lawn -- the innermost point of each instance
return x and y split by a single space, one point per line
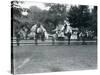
38 59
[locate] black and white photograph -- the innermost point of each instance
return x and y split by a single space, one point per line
53 37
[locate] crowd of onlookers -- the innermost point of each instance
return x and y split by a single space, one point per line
88 35
37 31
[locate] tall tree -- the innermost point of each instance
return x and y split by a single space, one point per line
79 16
93 22
15 8
56 13
16 13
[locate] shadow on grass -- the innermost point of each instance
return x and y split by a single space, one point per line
55 69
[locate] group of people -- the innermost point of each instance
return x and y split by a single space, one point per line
63 30
37 32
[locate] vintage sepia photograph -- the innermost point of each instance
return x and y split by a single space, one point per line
52 37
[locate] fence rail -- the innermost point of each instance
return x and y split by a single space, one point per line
50 42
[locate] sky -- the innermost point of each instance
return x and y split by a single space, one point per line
28 4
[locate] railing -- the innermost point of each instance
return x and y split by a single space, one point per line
52 42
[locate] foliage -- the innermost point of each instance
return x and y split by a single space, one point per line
15 8
56 13
79 16
93 22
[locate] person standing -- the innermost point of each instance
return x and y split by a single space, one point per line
38 33
83 37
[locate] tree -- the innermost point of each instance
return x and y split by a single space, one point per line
17 18
15 15
79 16
15 8
56 13
37 15
94 20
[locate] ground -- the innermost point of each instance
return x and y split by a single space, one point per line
38 59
